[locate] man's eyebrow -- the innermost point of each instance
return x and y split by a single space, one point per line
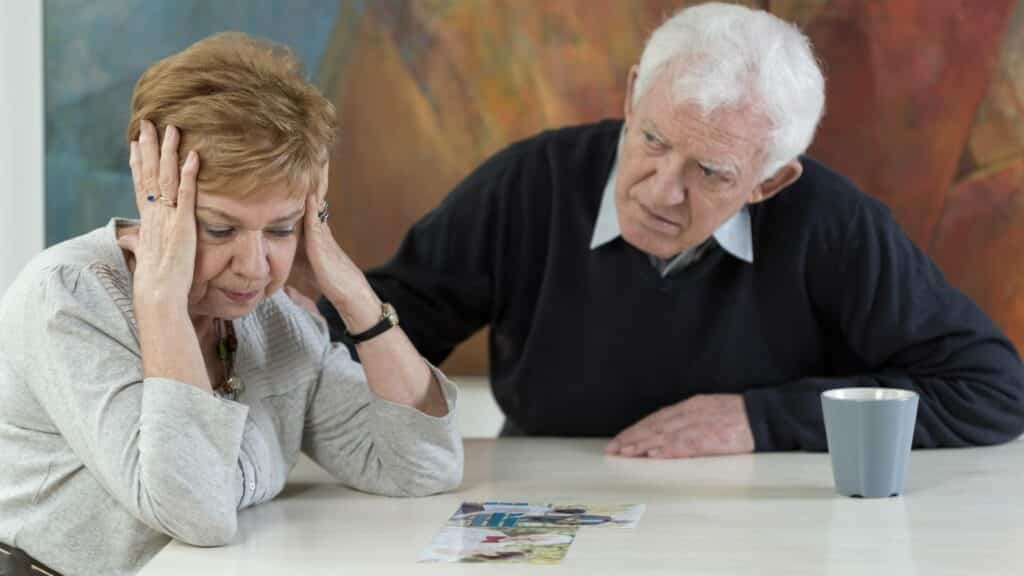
725 167
649 126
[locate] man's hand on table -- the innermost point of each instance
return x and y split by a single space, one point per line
703 425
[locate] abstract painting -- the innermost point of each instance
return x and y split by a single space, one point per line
925 107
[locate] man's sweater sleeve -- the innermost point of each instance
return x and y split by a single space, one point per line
898 315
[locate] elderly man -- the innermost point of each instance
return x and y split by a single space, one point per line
685 280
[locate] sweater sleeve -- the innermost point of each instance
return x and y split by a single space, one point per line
895 312
165 450
441 281
375 445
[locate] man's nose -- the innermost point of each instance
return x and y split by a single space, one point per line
670 184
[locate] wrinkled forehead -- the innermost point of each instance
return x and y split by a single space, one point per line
697 88
274 202
297 181
739 132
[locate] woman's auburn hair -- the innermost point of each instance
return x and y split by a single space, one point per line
243 105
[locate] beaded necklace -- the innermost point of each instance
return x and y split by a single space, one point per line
227 344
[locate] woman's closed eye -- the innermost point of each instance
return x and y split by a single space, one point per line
227 232
215 232
282 232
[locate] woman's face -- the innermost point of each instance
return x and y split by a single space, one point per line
245 249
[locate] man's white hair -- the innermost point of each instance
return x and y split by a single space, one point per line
724 54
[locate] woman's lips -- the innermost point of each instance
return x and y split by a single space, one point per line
241 297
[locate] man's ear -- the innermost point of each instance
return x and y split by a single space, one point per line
630 86
783 177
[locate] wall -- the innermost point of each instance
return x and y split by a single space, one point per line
21 136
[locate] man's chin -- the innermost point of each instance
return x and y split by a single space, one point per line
648 243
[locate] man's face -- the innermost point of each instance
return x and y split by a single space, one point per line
681 174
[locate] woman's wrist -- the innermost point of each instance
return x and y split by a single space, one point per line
359 309
159 301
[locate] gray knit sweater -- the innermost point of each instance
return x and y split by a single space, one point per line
101 467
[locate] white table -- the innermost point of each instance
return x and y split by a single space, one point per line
963 513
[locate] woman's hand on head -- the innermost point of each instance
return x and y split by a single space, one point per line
339 279
165 244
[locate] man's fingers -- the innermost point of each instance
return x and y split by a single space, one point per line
628 436
169 165
663 421
645 446
627 440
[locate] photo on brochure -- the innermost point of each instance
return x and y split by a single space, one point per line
521 514
544 545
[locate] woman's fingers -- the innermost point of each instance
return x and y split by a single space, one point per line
311 228
186 193
168 177
150 153
129 241
135 164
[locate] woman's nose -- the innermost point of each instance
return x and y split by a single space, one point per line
250 258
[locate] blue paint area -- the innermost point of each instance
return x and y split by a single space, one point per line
94 54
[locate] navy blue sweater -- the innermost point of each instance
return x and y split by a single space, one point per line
585 342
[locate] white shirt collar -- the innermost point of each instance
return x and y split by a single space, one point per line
734 235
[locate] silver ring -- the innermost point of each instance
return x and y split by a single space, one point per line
323 212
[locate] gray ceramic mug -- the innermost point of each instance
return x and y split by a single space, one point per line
869 433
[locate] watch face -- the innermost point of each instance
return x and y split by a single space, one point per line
391 314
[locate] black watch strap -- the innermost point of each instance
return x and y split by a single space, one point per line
388 320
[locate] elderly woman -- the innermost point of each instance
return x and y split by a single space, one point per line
154 377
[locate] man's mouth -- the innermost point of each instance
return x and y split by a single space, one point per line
659 223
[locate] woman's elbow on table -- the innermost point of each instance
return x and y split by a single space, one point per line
193 518
211 535
441 472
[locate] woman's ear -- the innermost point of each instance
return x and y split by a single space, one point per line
775 183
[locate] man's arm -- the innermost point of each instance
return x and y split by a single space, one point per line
898 315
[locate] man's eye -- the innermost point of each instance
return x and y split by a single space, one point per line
708 172
651 139
220 232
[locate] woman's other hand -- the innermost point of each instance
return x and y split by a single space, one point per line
394 370
339 279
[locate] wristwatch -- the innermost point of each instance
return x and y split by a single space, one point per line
388 319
